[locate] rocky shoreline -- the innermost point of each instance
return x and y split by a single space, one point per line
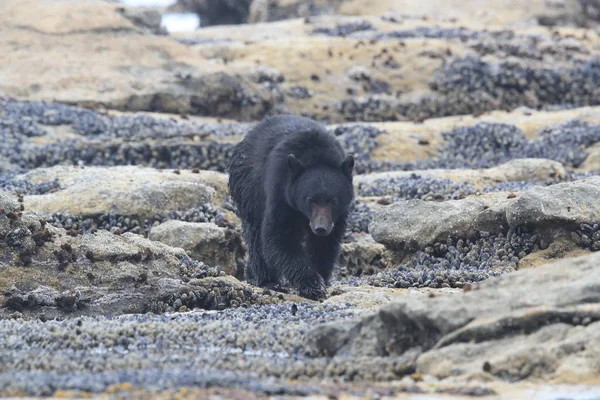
470 266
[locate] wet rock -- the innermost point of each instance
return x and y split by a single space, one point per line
209 72
46 134
221 95
123 199
259 342
510 312
488 144
40 134
564 204
203 241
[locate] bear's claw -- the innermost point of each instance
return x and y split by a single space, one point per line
314 293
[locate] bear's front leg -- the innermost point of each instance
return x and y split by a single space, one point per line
324 250
282 250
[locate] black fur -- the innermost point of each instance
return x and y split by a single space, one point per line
292 185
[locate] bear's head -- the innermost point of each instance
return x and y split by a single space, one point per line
323 193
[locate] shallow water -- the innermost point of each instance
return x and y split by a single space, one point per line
173 22
180 22
527 392
148 3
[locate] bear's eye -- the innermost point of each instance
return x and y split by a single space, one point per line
310 200
333 201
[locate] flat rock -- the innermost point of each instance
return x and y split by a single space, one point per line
538 171
533 313
495 14
128 191
133 69
411 68
55 134
374 68
205 242
568 203
415 224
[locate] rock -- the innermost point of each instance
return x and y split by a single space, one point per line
565 12
539 171
365 298
46 134
512 323
562 247
564 204
544 13
408 75
8 203
360 257
150 19
414 69
173 78
215 12
127 191
47 272
41 134
228 12
206 242
415 224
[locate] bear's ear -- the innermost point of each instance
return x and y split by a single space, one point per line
295 166
348 165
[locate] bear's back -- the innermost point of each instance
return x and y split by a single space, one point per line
308 140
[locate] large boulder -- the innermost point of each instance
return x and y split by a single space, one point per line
536 323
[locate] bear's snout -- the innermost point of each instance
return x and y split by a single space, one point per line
320 221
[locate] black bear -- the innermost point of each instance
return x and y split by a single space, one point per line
292 185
